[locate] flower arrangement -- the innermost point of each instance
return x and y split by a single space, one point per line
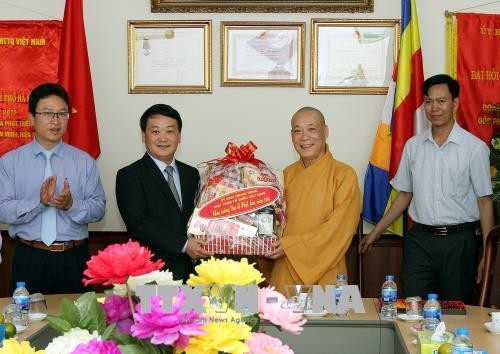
13 346
495 163
118 325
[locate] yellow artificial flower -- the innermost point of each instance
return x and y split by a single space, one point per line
12 346
225 332
225 271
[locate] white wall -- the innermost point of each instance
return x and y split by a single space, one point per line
229 113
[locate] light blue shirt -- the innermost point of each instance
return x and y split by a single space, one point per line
162 166
445 180
21 176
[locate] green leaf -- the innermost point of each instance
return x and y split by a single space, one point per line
228 296
253 321
100 318
108 331
155 349
92 316
123 338
132 349
86 305
69 312
59 324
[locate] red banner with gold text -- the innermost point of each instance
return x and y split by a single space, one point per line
478 71
29 55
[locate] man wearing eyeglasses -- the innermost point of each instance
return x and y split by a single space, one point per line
49 193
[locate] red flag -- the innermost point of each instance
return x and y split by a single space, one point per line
74 76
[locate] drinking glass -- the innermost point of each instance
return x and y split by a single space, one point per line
38 307
413 307
8 312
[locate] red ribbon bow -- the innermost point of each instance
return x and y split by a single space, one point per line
243 153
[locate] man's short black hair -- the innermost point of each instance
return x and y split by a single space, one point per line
161 109
43 91
453 85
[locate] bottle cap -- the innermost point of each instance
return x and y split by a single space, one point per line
21 284
432 297
389 277
340 276
462 332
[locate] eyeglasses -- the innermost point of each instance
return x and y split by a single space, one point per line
52 115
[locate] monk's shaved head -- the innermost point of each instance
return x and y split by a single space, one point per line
310 110
309 134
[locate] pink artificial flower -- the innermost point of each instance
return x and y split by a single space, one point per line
117 311
172 328
261 343
96 346
117 262
273 311
123 326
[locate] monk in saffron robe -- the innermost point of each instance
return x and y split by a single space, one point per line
323 208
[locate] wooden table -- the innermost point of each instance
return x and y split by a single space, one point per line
52 309
368 333
473 321
364 331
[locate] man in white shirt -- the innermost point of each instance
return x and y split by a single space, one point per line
444 178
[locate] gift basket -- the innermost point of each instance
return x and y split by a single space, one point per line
240 208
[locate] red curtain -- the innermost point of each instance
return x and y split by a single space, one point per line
478 71
29 52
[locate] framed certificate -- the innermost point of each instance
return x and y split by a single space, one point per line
169 56
353 56
261 6
262 53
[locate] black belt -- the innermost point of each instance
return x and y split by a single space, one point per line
443 230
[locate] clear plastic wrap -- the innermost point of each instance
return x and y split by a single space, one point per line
253 224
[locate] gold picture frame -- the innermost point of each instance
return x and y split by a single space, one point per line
170 56
353 56
262 53
261 6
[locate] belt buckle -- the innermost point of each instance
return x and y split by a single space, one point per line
63 244
440 231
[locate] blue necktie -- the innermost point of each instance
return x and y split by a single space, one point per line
48 233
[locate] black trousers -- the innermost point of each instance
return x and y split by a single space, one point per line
49 272
445 265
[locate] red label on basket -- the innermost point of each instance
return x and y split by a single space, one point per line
239 202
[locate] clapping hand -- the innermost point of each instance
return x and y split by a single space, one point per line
63 200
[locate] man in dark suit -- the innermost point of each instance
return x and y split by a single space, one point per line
156 193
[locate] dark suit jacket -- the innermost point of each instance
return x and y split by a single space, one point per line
150 213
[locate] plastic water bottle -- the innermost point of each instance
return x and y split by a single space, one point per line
21 298
339 285
389 297
461 343
432 312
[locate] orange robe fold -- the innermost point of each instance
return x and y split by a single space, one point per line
323 208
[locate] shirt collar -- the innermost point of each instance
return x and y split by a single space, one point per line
162 165
39 149
455 135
